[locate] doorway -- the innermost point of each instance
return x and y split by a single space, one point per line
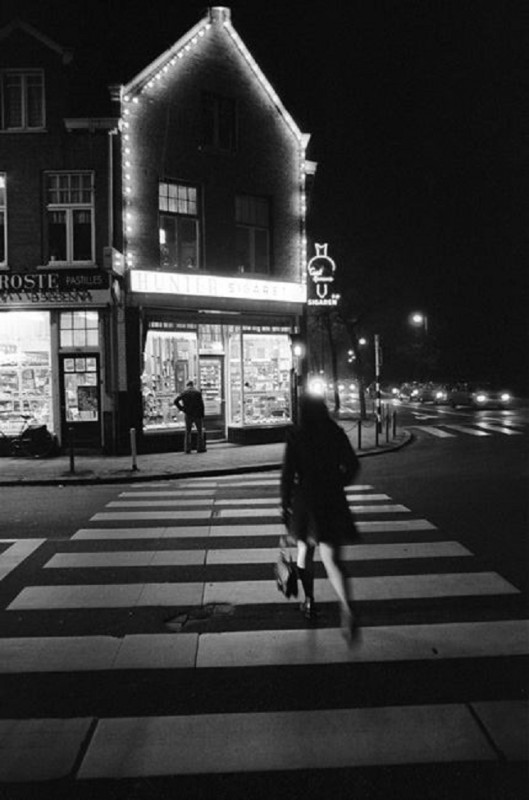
212 387
80 400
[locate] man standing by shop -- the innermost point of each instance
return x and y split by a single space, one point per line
191 403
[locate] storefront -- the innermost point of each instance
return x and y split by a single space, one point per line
242 362
54 359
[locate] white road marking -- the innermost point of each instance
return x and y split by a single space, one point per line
434 431
284 740
110 516
259 648
465 429
16 554
499 428
40 749
135 595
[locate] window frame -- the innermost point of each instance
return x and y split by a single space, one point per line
78 316
69 207
24 75
180 214
3 216
251 228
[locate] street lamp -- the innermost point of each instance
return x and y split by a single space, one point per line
420 320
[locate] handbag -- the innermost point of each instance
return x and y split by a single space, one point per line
285 572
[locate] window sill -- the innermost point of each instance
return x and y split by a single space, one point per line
17 131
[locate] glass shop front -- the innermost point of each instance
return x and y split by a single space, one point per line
243 371
50 373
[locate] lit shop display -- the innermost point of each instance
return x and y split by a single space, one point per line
243 372
25 369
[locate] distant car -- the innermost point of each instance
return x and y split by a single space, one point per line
478 395
408 391
424 393
441 394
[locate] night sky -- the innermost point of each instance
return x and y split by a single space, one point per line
416 113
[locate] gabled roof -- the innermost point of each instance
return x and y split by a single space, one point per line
221 17
17 24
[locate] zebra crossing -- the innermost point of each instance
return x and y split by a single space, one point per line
477 428
201 551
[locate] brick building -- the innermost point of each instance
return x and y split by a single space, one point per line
58 312
214 177
163 243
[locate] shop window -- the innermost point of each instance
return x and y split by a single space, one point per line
3 220
70 217
235 375
267 361
25 369
252 217
22 100
179 228
170 360
79 329
219 122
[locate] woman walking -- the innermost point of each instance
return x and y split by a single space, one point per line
319 462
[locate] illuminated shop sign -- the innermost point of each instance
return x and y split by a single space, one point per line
321 269
174 283
54 288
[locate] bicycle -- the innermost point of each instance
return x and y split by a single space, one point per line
34 440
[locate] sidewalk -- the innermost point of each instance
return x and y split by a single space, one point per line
221 458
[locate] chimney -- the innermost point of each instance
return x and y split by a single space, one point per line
219 14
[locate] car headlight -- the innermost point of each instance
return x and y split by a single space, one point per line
415 392
506 397
481 398
440 396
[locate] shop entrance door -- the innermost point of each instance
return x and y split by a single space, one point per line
80 400
212 387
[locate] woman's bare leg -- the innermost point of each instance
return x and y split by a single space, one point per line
335 574
305 565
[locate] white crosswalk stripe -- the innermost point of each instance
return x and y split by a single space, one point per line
478 427
211 545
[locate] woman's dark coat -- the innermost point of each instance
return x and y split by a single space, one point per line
318 463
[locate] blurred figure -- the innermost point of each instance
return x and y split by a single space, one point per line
319 462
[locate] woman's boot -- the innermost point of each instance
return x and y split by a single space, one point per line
307 581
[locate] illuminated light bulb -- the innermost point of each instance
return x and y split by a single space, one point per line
126 98
180 54
135 100
127 150
126 124
126 111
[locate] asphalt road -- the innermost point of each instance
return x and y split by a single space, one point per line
473 487
469 481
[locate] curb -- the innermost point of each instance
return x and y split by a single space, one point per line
135 477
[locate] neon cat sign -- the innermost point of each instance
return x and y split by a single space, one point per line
321 269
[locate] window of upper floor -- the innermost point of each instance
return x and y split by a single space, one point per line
3 220
70 229
23 107
252 220
219 123
179 228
